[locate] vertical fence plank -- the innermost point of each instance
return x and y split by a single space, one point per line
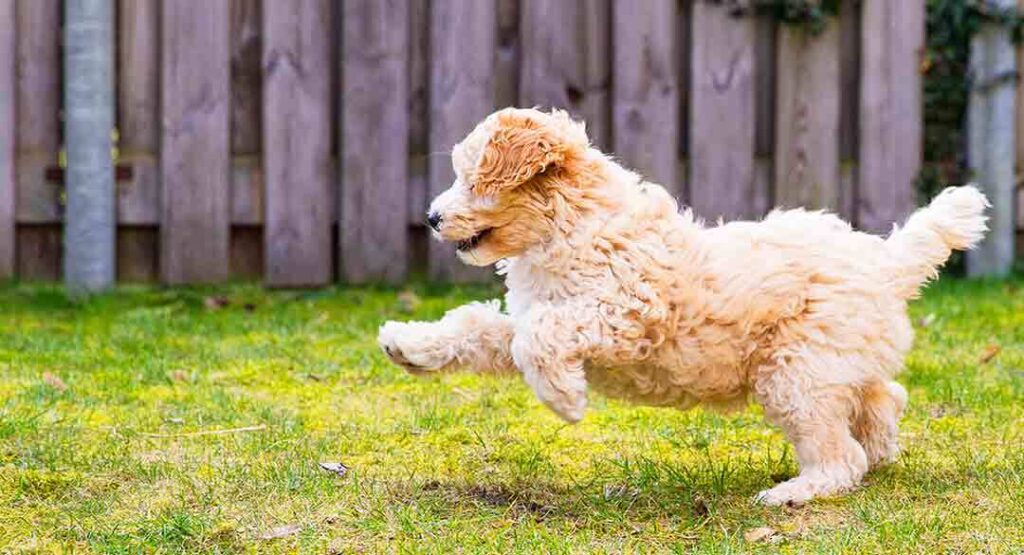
375 135
37 199
565 60
194 158
297 117
890 111
990 148
461 94
38 101
807 118
722 109
645 90
7 147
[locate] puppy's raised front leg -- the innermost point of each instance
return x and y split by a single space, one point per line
549 348
474 337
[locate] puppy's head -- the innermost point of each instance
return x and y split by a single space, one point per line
513 176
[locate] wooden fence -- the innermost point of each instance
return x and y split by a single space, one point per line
299 142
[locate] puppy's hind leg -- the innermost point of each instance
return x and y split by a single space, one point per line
816 418
881 407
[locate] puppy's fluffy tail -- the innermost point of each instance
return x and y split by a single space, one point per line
955 220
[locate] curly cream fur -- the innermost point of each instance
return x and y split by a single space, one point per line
611 287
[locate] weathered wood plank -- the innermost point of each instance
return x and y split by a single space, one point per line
890 132
138 111
8 114
38 104
194 158
461 94
645 89
807 124
990 143
297 118
374 136
565 53
138 252
39 252
722 111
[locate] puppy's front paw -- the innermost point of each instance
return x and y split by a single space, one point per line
408 346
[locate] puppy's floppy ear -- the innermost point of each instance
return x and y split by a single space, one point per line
524 144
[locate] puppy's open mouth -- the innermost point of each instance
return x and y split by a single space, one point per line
471 243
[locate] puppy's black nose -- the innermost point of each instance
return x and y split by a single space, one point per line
434 219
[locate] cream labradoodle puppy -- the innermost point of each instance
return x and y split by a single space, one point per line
611 287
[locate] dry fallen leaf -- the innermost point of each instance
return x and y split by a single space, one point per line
53 381
216 302
335 467
990 353
764 533
281 532
700 508
408 301
179 376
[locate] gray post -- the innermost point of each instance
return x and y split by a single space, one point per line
89 232
990 135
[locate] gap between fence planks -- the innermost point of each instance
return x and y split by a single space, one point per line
138 110
298 118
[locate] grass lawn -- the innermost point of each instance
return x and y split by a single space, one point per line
194 420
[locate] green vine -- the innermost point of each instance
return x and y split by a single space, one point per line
814 14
